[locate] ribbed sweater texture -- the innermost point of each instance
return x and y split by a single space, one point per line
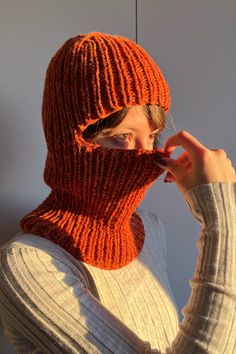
52 303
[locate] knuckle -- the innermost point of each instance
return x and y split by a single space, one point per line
205 154
221 152
208 155
183 133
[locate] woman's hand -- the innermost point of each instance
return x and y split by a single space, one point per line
197 164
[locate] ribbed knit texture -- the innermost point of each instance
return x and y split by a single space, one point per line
93 75
52 303
95 190
97 223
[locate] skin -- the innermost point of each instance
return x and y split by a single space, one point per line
136 131
196 165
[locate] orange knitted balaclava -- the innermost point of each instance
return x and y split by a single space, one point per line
90 211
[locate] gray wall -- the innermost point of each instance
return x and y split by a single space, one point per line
194 44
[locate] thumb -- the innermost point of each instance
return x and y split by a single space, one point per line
172 166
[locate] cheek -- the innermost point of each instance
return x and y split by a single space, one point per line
122 144
110 143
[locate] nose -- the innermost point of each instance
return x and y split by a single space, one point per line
141 144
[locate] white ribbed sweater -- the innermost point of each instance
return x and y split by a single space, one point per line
51 303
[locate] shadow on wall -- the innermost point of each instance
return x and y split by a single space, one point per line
7 147
10 218
19 188
6 348
10 209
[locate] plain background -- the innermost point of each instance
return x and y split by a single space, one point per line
193 42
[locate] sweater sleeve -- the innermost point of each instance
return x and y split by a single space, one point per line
209 323
52 306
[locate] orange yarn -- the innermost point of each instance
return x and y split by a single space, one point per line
90 211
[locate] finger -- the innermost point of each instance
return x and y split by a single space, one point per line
172 166
170 178
186 140
184 158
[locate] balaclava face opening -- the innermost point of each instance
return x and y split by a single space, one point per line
90 211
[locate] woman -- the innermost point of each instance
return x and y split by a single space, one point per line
87 274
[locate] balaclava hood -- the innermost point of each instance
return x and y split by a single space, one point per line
90 211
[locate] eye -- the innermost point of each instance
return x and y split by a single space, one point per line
154 135
123 137
155 139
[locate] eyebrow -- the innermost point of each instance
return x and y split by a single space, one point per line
111 129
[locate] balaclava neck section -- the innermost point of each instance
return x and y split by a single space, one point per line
95 218
90 211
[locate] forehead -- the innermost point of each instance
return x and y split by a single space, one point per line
137 118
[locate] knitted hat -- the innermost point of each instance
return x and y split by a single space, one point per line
90 211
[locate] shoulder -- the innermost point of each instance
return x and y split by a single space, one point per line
30 241
151 218
154 228
33 250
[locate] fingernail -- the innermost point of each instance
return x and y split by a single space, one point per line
166 181
161 162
